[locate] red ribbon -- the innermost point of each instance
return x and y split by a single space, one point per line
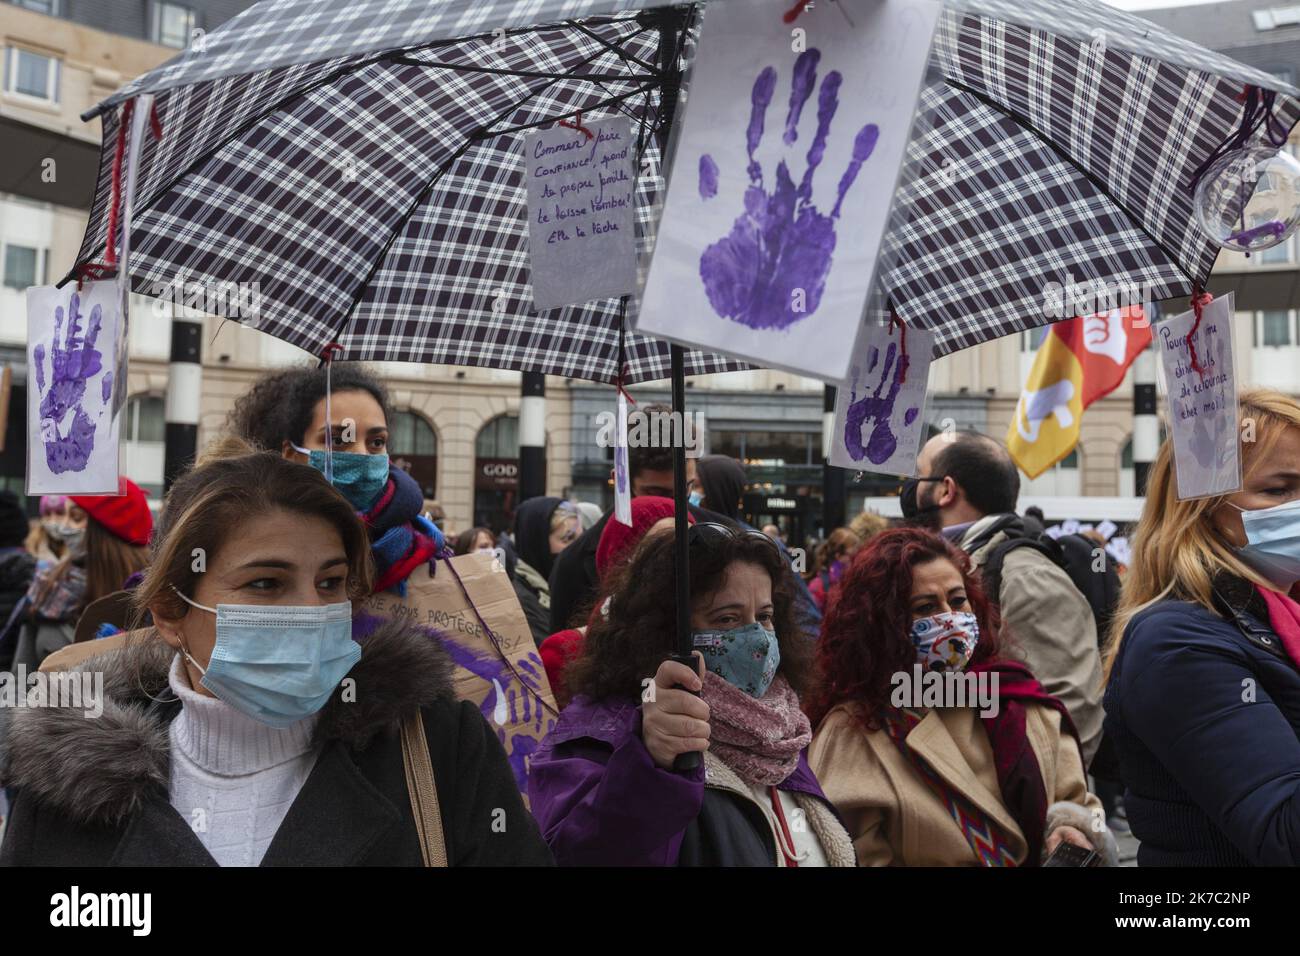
327 353
1200 299
618 383
577 124
793 13
119 151
902 344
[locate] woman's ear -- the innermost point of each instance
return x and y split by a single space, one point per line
168 627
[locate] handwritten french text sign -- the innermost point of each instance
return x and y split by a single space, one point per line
72 433
581 235
783 179
880 407
1202 404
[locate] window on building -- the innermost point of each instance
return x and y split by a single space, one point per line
1031 339
413 445
499 438
173 23
144 419
144 442
23 266
50 7
1275 328
31 74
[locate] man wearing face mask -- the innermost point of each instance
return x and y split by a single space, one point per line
966 487
1203 672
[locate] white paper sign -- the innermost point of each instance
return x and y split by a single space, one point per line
581 234
1119 549
1202 404
880 407
72 433
783 179
1107 528
622 490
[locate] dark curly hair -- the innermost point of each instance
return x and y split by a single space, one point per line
866 632
280 405
626 647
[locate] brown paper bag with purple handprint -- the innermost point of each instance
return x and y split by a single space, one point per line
470 601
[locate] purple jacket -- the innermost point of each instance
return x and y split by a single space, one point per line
601 801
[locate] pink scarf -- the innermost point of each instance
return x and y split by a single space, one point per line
759 738
1284 616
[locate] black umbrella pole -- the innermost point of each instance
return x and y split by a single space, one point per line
682 563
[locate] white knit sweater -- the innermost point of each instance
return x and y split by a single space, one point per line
233 779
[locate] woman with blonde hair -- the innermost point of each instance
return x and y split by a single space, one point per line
1203 673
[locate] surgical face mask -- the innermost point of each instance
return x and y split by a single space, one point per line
945 642
278 664
63 533
358 477
745 657
695 498
1273 542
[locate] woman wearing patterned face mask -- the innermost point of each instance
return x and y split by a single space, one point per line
246 727
991 778
604 786
1203 672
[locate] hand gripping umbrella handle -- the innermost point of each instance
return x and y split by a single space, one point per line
686 762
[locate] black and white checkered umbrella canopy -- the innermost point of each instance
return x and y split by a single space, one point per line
360 160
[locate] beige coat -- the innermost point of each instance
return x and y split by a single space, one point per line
896 819
1052 626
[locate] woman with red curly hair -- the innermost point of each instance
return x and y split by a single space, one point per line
935 747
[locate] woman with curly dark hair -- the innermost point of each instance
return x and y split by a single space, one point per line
936 748
286 412
603 785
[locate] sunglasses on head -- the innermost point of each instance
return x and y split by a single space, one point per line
713 532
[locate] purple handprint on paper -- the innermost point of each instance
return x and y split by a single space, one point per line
71 365
770 270
882 443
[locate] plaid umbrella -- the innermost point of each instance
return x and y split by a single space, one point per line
360 161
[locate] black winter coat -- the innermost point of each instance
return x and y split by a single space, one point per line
16 572
93 792
1204 712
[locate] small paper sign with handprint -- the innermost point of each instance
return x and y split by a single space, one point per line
880 408
1200 384
72 433
783 179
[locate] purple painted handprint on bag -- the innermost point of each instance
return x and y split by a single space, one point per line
770 270
72 364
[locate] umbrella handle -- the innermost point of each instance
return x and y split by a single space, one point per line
686 762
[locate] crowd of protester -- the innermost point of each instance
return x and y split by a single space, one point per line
953 688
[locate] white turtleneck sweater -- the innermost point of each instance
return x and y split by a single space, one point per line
233 779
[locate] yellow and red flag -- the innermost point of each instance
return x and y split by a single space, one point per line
1079 361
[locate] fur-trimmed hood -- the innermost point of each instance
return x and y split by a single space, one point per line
101 770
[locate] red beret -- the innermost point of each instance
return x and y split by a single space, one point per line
126 514
618 540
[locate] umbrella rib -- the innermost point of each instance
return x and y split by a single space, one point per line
488 133
1096 183
616 48
533 74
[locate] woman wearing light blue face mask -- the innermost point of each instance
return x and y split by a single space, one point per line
286 412
1203 675
247 726
604 785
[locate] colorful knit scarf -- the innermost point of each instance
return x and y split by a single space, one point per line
401 539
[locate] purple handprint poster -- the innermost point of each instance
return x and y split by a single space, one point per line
783 177
880 406
72 432
1202 398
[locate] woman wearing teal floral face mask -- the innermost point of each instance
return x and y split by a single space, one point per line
247 726
286 411
603 785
